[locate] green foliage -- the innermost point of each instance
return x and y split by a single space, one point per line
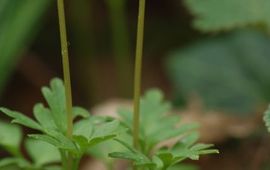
228 72
157 127
49 153
52 145
10 137
41 153
88 131
18 24
212 15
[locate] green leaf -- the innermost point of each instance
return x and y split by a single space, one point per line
58 140
80 112
156 124
212 15
266 118
10 137
229 72
101 150
185 149
83 128
13 161
44 116
167 159
19 22
21 119
94 130
42 153
139 159
55 97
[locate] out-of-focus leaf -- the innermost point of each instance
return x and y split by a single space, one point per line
212 15
228 72
10 137
15 163
42 153
19 21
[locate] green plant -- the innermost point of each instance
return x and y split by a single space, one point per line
228 72
156 128
214 15
52 123
66 133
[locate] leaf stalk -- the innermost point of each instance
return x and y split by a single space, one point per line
137 76
66 71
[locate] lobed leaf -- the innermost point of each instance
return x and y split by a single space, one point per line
44 117
20 118
55 97
94 130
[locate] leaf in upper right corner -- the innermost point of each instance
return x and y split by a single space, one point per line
213 15
266 118
217 70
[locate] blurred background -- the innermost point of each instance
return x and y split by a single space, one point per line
211 58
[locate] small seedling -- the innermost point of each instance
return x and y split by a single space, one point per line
51 124
163 142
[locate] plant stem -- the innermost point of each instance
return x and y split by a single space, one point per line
137 76
65 60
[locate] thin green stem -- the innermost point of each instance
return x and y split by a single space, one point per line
63 159
65 60
137 76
